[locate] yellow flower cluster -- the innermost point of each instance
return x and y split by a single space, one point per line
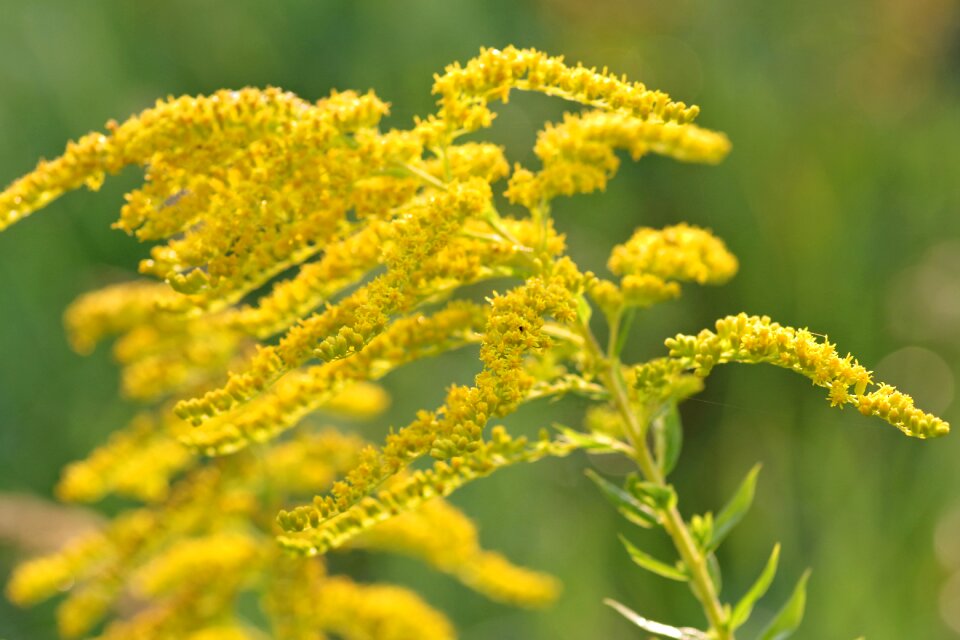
444 538
213 558
653 263
113 310
513 330
578 155
465 91
303 391
137 462
345 328
304 254
469 160
192 556
315 529
680 252
754 339
357 612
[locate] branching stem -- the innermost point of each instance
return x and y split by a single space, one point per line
608 367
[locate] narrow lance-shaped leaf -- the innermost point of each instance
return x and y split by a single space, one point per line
658 628
628 506
733 512
668 438
653 565
789 617
626 324
741 612
593 442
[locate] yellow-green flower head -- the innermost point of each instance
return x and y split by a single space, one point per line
754 339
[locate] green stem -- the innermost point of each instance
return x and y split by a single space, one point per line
673 523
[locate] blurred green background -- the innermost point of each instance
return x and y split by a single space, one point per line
841 199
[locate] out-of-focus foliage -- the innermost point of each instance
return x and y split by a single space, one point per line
840 200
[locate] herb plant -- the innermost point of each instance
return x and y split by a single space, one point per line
302 254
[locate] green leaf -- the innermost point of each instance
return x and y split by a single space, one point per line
733 512
789 617
660 629
668 438
741 612
595 442
629 507
653 565
660 497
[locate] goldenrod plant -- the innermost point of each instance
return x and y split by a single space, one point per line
301 254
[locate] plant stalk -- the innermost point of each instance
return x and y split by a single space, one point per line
673 523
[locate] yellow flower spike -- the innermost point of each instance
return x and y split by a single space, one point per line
497 578
84 608
177 616
371 197
359 612
303 391
38 579
289 178
753 339
513 329
220 123
465 91
342 264
203 560
314 529
445 538
175 354
578 154
112 310
345 328
101 561
136 462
